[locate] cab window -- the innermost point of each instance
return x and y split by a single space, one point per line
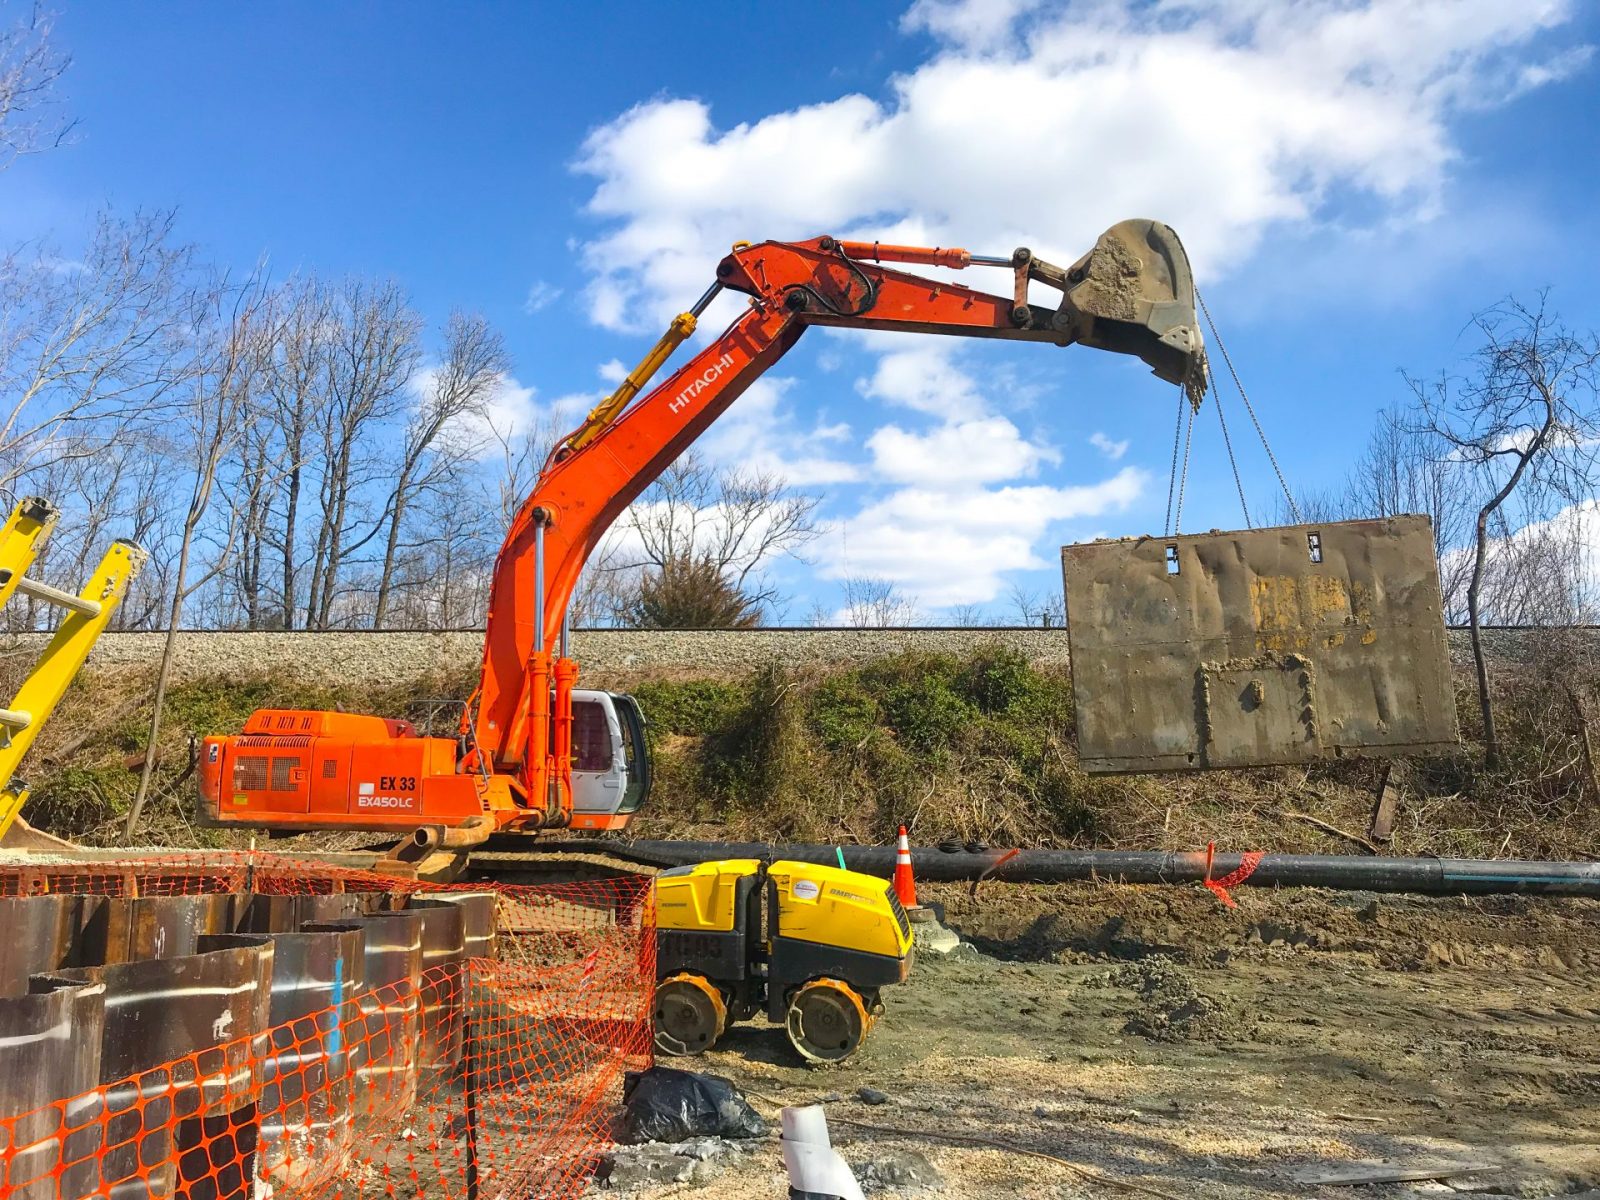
591 737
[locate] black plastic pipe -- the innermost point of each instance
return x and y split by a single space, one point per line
1436 876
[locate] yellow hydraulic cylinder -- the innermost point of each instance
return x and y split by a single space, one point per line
87 615
606 411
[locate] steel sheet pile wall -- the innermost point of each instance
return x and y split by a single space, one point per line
216 1026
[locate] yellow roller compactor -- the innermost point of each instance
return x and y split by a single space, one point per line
811 945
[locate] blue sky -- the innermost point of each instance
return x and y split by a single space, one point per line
1352 180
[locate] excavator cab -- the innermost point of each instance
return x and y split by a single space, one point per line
610 762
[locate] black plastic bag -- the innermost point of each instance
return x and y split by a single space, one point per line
665 1105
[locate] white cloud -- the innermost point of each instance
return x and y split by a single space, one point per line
924 377
949 533
512 410
1545 572
612 371
950 546
987 450
1112 450
1045 124
541 295
972 26
760 433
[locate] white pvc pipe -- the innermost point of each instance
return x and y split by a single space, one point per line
814 1167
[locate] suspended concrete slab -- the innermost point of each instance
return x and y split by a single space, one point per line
1259 647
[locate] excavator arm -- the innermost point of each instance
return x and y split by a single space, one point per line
1131 294
513 763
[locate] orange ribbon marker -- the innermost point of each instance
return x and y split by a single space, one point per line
1248 862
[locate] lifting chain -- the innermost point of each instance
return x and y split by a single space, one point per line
1172 479
1216 336
1216 399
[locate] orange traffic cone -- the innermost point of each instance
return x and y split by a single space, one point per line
905 884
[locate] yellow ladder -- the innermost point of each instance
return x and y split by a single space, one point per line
88 613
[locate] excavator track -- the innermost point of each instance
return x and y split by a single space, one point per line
514 859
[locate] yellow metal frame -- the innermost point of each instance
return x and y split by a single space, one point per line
24 534
87 615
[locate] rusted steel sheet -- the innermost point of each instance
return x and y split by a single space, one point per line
37 934
306 1081
262 913
443 951
49 1067
479 918
120 929
198 1017
387 1029
1257 648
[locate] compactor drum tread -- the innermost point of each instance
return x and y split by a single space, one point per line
689 1015
827 1021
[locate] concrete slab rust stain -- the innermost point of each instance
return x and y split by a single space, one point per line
1258 647
1293 613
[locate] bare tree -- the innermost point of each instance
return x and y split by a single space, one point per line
871 602
967 616
473 366
299 406
442 576
232 341
30 69
738 519
1409 469
1527 420
1045 609
255 487
87 347
107 496
371 357
1315 505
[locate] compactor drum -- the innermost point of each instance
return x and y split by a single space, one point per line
810 945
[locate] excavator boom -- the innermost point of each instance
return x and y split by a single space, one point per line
521 748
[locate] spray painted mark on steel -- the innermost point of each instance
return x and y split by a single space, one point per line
1258 648
307 1119
391 1013
231 1044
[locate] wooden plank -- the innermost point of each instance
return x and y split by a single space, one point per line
1382 825
1356 1174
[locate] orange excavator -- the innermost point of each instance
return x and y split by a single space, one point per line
533 751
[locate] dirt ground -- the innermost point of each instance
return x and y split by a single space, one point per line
1152 1037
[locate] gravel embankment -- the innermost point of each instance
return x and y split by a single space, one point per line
395 657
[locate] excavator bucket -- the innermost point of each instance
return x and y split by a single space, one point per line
1134 294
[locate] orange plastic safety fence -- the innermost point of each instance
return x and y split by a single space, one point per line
236 1027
